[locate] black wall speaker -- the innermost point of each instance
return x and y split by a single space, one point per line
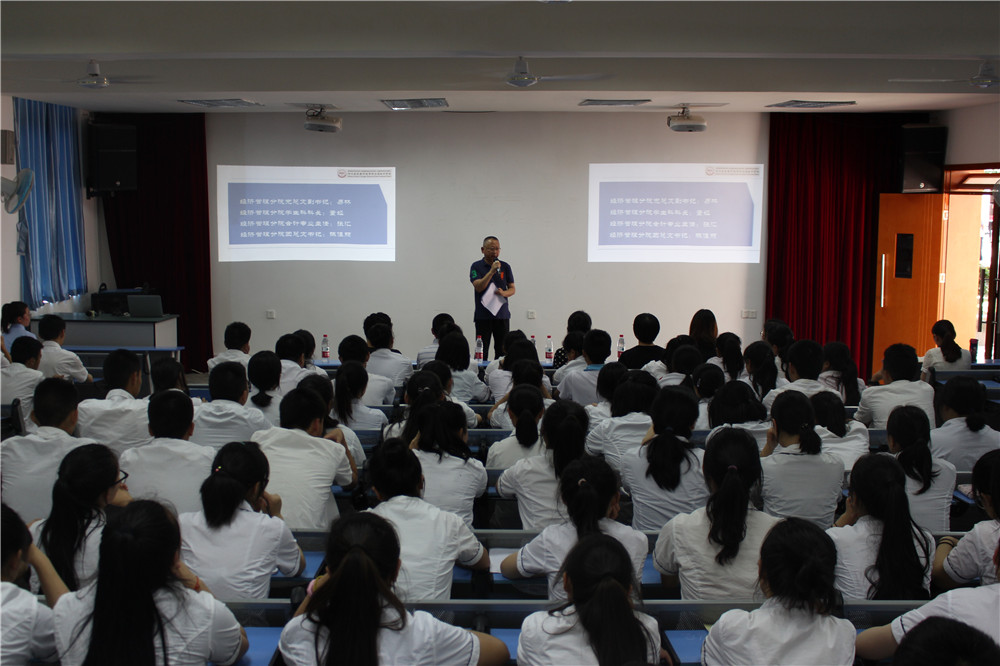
922 158
112 158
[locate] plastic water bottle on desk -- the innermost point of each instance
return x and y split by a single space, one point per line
533 342
621 345
479 348
549 350
324 347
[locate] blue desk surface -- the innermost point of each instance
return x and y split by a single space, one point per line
509 638
263 643
650 576
687 644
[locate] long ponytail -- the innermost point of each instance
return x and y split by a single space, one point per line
264 372
587 486
564 430
423 389
911 431
352 379
763 373
729 346
674 412
732 463
526 403
236 469
838 355
793 414
945 330
967 397
441 425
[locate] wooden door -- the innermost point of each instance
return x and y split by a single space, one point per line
908 272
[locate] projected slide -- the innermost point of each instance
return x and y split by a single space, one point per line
306 213
698 213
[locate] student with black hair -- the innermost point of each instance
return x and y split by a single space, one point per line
580 386
453 350
534 481
942 641
15 322
704 330
736 405
264 373
383 359
381 390
332 429
841 373
706 380
572 348
804 365
608 379
712 552
309 348
645 327
662 369
352 381
589 490
292 352
930 481
963 437
664 474
238 538
374 319
578 322
881 553
432 540
170 468
901 385
799 478
146 606
167 374
443 372
762 372
525 407
509 340
237 341
363 565
501 380
946 354
796 625
57 361
119 419
780 338
424 388
29 462
227 418
729 356
598 624
19 379
523 373
843 437
427 354
615 437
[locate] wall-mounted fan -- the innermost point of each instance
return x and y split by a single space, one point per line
15 192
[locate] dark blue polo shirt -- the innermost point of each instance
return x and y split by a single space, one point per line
502 279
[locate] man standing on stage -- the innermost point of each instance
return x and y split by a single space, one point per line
493 282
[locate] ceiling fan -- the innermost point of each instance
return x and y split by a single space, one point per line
521 76
986 77
95 80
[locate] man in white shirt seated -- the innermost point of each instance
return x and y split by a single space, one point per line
119 420
30 463
572 344
580 386
19 379
900 386
805 362
292 352
57 361
380 390
237 341
303 464
427 354
170 468
383 360
226 418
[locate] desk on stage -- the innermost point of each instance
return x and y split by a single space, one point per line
113 331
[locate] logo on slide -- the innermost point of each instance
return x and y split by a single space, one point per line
341 173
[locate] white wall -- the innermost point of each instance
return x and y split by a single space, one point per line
522 177
973 134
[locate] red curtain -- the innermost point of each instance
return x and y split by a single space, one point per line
158 234
825 172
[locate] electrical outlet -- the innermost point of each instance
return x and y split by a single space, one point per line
748 314
270 314
531 314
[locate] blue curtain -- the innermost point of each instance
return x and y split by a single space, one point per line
50 225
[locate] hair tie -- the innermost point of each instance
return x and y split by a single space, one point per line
581 482
423 388
732 468
217 469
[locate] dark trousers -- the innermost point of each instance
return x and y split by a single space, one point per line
495 329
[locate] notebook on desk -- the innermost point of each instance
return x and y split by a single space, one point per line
145 306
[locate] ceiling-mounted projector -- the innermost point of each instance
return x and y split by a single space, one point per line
317 121
685 122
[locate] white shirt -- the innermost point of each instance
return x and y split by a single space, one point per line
291 374
662 376
59 361
119 421
809 387
470 414
363 417
653 506
615 437
857 547
702 422
18 382
502 381
721 364
931 509
427 354
758 429
168 470
559 638
27 628
854 444
16 331
431 542
201 628
86 558
877 402
303 468
934 358
832 379
390 364
597 413
773 634
508 451
683 549
532 481
219 422
802 485
978 607
973 556
780 382
467 387
380 391
30 464
272 412
452 483
578 363
954 442
230 355
545 554
423 641
580 386
236 561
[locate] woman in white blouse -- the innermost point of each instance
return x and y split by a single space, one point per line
736 405
352 380
964 437
930 482
841 373
264 372
526 407
946 354
453 349
843 438
615 437
762 371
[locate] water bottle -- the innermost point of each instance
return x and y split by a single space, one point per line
549 349
974 349
621 345
324 347
479 348
533 342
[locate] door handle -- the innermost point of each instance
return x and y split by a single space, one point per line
883 282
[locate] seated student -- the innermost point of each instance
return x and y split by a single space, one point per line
292 352
432 540
236 539
881 553
170 468
942 641
572 345
509 340
453 478
578 322
15 321
19 379
796 624
146 606
29 462
589 490
453 350
352 380
664 475
308 349
930 481
843 437
712 552
422 389
501 380
964 437
380 390
799 478
227 418
119 419
383 360
841 373
27 632
523 373
608 379
237 341
779 337
704 330
427 354
55 359
534 481
900 387
303 465
580 386
706 379
961 561
443 372
597 624
729 356
167 374
946 354
264 373
645 327
805 362
525 407
615 437
736 405
762 372
363 562
332 429
661 369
